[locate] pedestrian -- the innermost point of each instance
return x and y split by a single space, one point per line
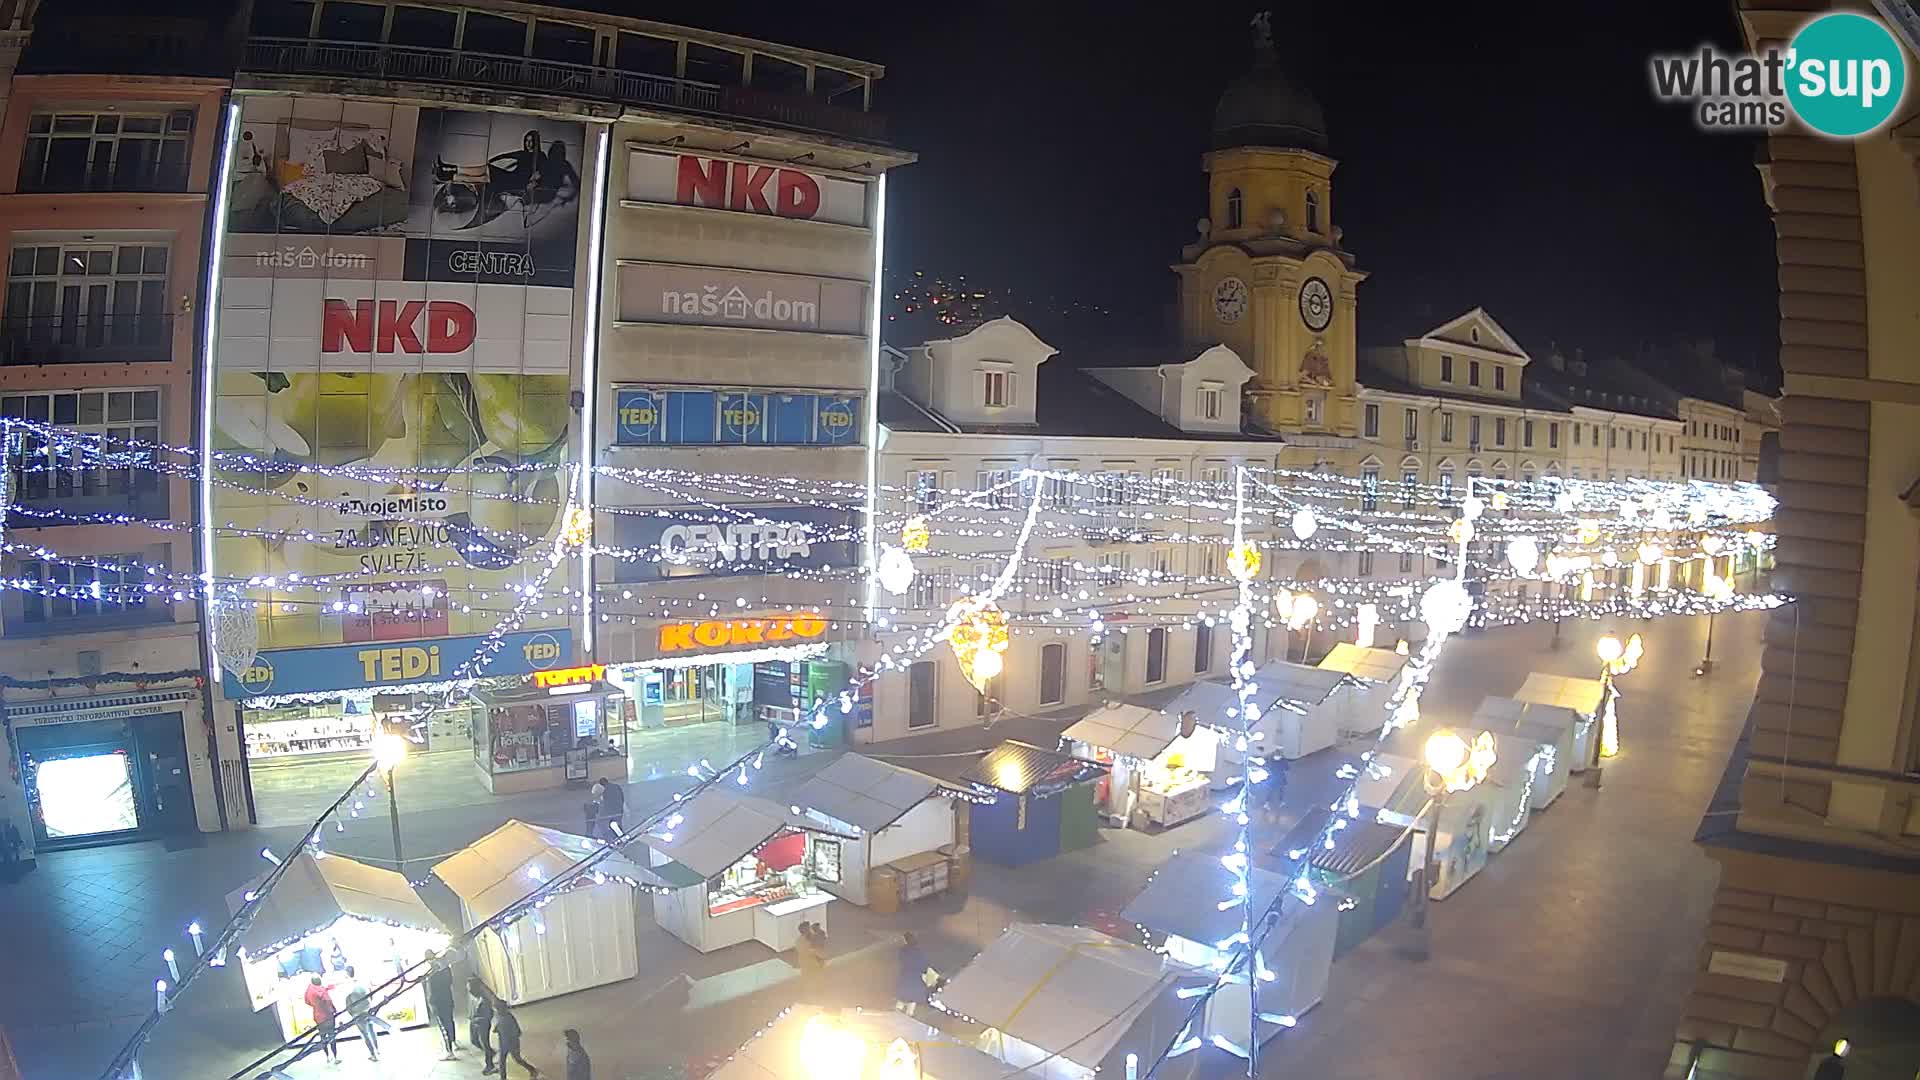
910 981
613 805
440 1002
579 1065
506 1027
480 1022
325 1015
360 1014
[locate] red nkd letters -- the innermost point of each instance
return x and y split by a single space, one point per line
391 326
736 185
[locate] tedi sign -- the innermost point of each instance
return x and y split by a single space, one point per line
394 326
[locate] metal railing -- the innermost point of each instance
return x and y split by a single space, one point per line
407 63
85 339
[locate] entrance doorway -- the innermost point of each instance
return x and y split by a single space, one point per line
102 781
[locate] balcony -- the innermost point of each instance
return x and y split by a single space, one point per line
85 339
167 176
387 63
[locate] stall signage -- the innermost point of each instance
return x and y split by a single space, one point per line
590 673
725 633
357 666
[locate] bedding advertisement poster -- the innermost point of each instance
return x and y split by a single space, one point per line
397 335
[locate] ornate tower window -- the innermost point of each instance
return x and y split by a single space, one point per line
1236 209
1313 211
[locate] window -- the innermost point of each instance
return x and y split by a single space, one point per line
1446 427
1167 483
1366 565
92 477
1526 433
1499 376
1053 674
1054 575
1202 649
1114 565
1473 335
1209 401
1370 487
1473 373
1213 476
89 302
930 591
1473 431
996 389
1576 434
1056 492
923 679
1316 409
1553 436
1156 655
997 485
107 151
1313 211
926 490
1413 426
1206 561
1526 474
1500 431
1446 368
1371 421
1409 487
1236 209
1161 558
1446 481
1110 488
99 591
1594 430
1613 438
1406 562
1096 666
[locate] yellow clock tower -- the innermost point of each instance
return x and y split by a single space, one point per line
1267 276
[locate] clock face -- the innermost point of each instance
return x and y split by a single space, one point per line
1316 304
1230 299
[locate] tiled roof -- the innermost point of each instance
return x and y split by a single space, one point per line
1531 397
1068 401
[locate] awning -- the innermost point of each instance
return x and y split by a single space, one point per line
1183 897
1580 695
314 892
1374 665
775 1053
717 828
99 707
865 793
501 868
1018 768
1129 730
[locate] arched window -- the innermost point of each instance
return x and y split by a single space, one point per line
1313 211
1236 209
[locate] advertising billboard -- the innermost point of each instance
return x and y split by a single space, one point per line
721 296
764 540
744 187
397 336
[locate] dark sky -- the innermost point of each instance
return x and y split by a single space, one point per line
1498 154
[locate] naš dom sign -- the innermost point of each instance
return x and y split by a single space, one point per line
734 633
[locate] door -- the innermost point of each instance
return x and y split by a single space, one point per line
82 782
162 746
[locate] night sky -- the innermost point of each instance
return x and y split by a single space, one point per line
1488 156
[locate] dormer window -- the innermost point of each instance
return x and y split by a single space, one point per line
1236 209
996 388
1313 211
1209 403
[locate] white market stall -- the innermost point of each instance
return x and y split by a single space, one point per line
1507 791
1392 788
1300 708
1549 727
1377 672
808 1041
329 913
1066 1002
583 936
1163 761
1463 843
742 869
1182 902
903 822
1582 697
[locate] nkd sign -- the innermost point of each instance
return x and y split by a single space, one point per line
716 296
395 326
745 187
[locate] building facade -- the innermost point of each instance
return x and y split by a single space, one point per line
1815 926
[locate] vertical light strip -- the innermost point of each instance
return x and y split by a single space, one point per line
590 378
203 375
873 390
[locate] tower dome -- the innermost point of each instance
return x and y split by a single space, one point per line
1266 108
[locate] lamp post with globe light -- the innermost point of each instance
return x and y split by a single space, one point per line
389 750
1452 765
1616 658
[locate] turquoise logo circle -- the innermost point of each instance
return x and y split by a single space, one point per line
1846 74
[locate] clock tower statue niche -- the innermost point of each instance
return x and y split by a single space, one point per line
1267 276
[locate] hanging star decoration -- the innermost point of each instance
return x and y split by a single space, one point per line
914 534
578 529
979 639
1244 562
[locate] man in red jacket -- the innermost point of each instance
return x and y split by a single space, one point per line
325 1018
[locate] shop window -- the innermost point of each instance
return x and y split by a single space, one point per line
82 475
89 592
1053 674
1156 655
922 680
1202 649
107 151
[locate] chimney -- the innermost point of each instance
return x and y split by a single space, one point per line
1577 367
1554 359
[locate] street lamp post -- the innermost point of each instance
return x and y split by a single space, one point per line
1615 659
1452 764
389 750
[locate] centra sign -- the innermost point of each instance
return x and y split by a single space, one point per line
733 633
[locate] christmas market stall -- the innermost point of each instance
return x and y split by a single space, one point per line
1376 674
1067 1003
1582 697
1182 902
808 1041
1390 789
1162 761
329 913
1508 789
1549 727
904 822
579 937
742 869
1369 868
1033 805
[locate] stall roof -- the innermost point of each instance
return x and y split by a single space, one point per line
718 828
1018 768
1170 903
1284 680
1507 714
315 891
496 871
1359 846
1381 777
775 1053
1209 701
1132 730
1068 990
1378 665
1580 695
870 794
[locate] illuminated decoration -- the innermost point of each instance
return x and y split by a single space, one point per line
1456 763
895 571
1304 523
1472 507
1649 554
829 1051
1615 659
722 633
577 530
1499 500
1564 500
389 750
1367 618
915 534
1756 539
588 673
1712 543
1444 607
1588 532
1301 608
979 639
901 1062
1244 562
1523 554
1461 531
1717 588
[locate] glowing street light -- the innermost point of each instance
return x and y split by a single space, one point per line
828 1051
1452 764
389 750
1616 658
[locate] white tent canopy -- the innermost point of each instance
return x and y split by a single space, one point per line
718 828
316 890
1130 730
1374 665
1580 695
502 867
776 1054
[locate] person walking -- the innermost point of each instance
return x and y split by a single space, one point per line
360 1014
325 1019
910 980
613 804
579 1065
506 1027
440 1003
480 1021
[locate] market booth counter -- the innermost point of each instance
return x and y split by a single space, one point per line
1162 762
1183 903
740 869
1376 674
550 729
584 936
904 827
1581 697
1548 728
329 913
1033 805
1067 1003
808 1041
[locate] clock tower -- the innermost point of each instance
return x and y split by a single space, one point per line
1267 276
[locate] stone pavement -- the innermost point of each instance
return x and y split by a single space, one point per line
1568 956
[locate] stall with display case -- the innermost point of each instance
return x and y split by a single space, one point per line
1031 803
1549 728
742 868
808 1041
904 828
1070 1003
550 729
326 914
1162 762
583 936
1581 697
1376 673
